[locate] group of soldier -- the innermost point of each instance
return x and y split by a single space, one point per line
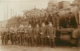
40 31
43 35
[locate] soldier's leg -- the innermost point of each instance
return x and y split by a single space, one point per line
37 42
28 41
2 38
49 42
18 40
42 42
6 39
22 39
32 41
12 39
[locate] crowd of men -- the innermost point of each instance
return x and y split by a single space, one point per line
30 36
40 31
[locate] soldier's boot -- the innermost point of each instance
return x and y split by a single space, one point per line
28 41
45 43
2 41
31 43
42 42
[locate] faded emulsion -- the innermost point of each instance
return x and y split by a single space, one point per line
30 25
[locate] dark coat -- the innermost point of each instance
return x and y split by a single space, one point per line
43 32
50 32
30 32
36 32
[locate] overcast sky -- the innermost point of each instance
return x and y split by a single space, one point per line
18 6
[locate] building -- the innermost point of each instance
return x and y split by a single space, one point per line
3 24
64 4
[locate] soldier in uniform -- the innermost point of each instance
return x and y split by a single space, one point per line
18 36
2 35
21 34
15 35
43 34
36 35
30 36
51 34
6 36
26 35
12 35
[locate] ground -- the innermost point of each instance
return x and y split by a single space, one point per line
26 48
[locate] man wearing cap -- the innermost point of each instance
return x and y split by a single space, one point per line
43 34
12 35
51 34
36 35
15 35
21 32
30 35
2 35
26 35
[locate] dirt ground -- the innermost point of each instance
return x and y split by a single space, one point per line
25 48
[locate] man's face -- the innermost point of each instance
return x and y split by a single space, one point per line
37 25
43 24
50 24
29 26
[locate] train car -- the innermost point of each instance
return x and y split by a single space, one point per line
68 25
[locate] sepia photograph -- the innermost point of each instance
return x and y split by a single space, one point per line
39 25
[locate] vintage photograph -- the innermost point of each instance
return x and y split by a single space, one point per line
39 25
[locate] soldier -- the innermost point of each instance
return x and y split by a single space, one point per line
36 35
15 35
51 34
43 34
21 34
12 35
26 35
18 36
6 36
30 36
2 35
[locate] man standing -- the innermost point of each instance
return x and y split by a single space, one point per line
30 36
36 35
51 34
43 34
21 32
2 35
26 35
12 35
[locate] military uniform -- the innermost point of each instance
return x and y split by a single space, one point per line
2 36
26 35
36 35
30 36
43 35
51 34
21 34
12 35
15 35
6 36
